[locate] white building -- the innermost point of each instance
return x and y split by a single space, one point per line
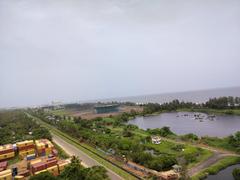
156 139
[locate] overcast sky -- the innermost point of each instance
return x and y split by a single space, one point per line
69 50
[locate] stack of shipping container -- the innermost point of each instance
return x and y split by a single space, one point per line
6 152
33 162
3 165
26 148
44 147
51 165
6 174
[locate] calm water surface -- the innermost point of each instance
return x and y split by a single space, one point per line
191 96
184 122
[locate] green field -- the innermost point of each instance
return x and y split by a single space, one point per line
60 112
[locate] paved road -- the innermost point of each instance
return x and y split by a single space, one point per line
86 160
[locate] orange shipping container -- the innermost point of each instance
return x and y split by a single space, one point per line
53 170
7 156
40 171
6 177
19 177
24 143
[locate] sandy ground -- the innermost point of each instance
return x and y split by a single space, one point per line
91 113
86 160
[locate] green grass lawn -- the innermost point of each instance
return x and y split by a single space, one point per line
60 112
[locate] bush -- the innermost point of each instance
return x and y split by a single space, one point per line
164 131
41 133
236 173
178 147
189 137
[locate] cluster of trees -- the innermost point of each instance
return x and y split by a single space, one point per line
16 126
75 171
223 103
190 137
164 131
214 103
159 163
170 106
234 140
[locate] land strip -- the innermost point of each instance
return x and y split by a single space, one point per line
75 148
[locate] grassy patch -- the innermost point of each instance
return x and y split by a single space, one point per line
205 154
214 169
60 112
61 153
14 160
212 111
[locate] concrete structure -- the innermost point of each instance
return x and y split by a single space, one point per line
177 168
168 175
106 108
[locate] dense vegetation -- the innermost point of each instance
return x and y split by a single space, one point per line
75 171
231 142
16 126
113 137
228 103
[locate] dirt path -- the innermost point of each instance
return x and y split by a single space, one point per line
205 164
218 154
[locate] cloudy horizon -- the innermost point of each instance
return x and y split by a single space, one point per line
73 50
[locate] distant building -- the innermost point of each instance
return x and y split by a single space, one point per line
109 108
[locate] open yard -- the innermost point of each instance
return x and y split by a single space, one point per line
91 114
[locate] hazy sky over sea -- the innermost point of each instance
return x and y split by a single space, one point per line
70 50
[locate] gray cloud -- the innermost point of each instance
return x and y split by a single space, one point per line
76 50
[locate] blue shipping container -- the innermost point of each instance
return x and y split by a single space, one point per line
31 156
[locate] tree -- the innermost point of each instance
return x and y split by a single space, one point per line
189 137
44 175
236 173
234 140
96 173
41 133
127 133
74 171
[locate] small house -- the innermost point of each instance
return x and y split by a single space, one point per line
156 139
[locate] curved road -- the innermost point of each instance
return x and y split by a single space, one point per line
86 160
